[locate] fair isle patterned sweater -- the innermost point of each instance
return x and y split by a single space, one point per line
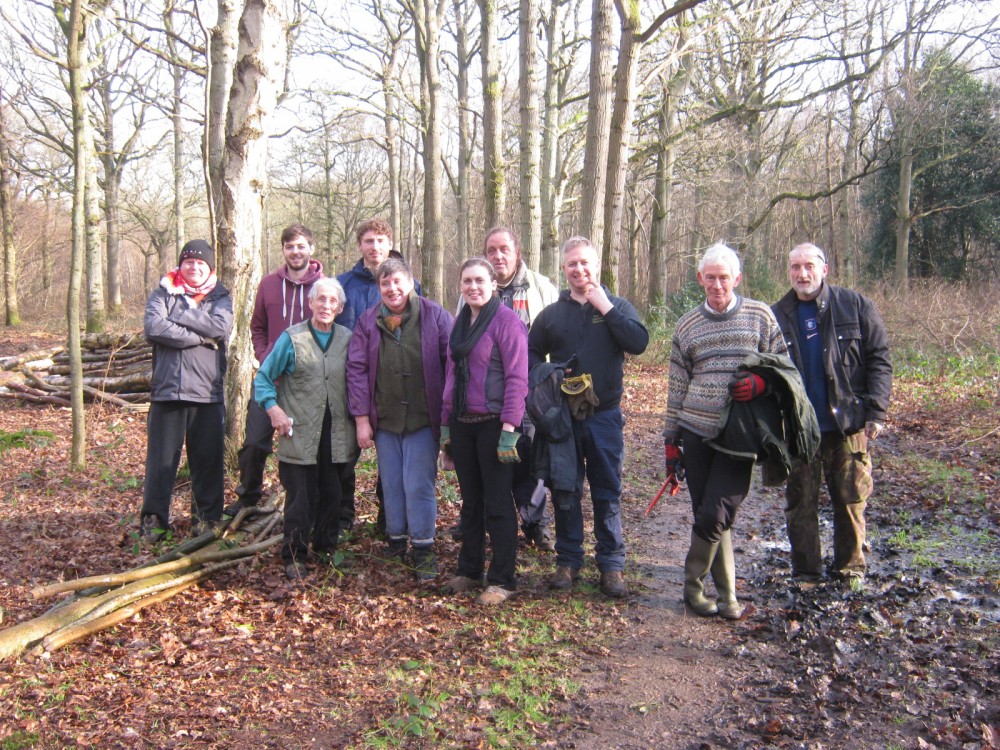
706 350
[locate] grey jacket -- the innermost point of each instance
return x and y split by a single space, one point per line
185 366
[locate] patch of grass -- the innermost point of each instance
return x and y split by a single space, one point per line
119 480
26 438
20 739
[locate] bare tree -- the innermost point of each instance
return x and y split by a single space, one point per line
595 159
12 315
261 58
530 198
494 184
428 20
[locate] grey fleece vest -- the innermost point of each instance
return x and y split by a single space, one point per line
319 380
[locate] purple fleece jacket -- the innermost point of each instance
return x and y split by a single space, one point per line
362 361
498 371
280 303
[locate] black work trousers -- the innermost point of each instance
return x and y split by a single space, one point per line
487 503
258 444
171 425
718 484
313 494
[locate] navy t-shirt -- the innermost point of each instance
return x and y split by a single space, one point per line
813 374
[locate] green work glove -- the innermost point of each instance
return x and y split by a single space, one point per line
445 441
507 448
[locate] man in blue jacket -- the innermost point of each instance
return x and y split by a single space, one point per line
598 330
839 343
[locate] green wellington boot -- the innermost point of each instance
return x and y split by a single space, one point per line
696 566
724 575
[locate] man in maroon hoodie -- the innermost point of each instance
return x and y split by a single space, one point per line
282 300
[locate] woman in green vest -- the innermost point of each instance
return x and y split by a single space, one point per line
302 386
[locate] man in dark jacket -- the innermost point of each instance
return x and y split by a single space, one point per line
282 300
599 330
187 320
838 341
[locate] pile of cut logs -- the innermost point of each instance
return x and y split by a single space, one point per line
116 370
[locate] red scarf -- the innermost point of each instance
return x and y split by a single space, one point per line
174 283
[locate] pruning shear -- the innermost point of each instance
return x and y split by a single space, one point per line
670 481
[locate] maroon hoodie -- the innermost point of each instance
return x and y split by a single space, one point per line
280 303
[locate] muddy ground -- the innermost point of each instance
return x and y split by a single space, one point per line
911 659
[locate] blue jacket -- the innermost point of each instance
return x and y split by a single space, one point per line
361 292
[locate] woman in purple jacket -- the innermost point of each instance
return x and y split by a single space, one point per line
485 387
395 380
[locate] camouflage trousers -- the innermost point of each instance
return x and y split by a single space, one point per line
846 465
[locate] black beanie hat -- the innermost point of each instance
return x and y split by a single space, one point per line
198 249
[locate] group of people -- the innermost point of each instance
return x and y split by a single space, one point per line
519 392
801 386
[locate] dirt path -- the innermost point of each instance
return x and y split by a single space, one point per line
662 684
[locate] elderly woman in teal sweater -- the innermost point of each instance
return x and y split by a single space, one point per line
302 385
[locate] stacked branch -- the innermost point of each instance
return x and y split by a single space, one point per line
117 370
102 601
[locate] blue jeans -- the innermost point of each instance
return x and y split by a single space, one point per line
600 447
407 464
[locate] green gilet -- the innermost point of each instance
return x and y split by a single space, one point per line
319 380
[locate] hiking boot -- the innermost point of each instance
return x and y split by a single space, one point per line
538 534
613 584
458 584
425 563
199 527
296 571
494 595
152 529
396 549
563 578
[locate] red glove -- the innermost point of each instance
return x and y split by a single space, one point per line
674 461
747 387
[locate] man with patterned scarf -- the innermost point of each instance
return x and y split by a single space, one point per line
187 320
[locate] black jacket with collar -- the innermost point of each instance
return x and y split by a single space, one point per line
855 354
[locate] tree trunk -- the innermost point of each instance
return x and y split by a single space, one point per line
530 198
75 29
112 189
494 193
463 243
595 158
97 317
12 315
176 125
428 21
550 186
618 148
222 59
257 84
